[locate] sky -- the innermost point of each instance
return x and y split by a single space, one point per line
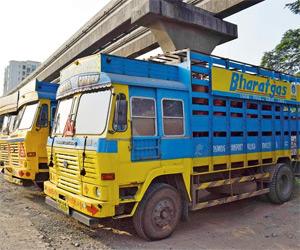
34 29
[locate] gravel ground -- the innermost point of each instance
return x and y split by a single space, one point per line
26 222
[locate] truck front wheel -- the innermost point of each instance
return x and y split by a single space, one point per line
281 186
158 213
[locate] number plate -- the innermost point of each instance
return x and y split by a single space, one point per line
63 206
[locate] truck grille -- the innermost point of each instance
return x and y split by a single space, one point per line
14 154
4 153
90 169
68 167
68 172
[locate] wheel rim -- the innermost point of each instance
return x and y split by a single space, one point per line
163 214
283 183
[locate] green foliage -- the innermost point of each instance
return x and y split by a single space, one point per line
294 6
286 55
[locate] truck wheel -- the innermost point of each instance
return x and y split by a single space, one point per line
158 213
282 184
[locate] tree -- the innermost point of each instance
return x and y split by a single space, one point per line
286 55
294 7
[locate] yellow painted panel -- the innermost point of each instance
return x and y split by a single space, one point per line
234 82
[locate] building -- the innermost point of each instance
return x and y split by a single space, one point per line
16 72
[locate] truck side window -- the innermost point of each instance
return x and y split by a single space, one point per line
43 117
52 113
173 118
143 116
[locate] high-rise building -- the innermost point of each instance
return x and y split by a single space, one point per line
16 72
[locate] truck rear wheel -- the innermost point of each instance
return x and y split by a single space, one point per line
282 184
158 213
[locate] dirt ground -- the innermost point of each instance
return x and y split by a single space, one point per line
26 222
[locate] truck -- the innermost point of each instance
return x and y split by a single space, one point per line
153 140
8 111
27 152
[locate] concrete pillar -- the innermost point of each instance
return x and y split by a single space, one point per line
176 25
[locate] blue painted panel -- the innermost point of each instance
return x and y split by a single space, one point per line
200 95
46 90
252 124
145 149
200 107
200 123
219 122
201 70
277 125
201 147
220 146
286 125
200 57
236 124
107 146
219 109
293 125
252 112
200 82
287 141
237 145
252 146
236 110
267 124
267 143
125 66
278 143
176 148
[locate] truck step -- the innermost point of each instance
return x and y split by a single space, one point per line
229 199
218 183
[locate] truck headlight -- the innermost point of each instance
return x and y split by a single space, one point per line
97 192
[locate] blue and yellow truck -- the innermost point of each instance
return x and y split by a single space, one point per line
26 145
8 111
155 139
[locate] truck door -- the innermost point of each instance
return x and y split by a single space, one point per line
174 125
145 142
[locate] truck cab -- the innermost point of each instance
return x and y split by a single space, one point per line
8 112
27 142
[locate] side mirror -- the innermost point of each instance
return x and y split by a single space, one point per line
120 116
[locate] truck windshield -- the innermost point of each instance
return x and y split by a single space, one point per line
18 118
5 124
1 122
62 114
92 112
11 123
28 116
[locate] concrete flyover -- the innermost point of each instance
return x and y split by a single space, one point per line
124 27
143 40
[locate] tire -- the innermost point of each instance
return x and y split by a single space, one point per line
282 184
158 213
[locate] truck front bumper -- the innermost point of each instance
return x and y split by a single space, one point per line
10 178
87 211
